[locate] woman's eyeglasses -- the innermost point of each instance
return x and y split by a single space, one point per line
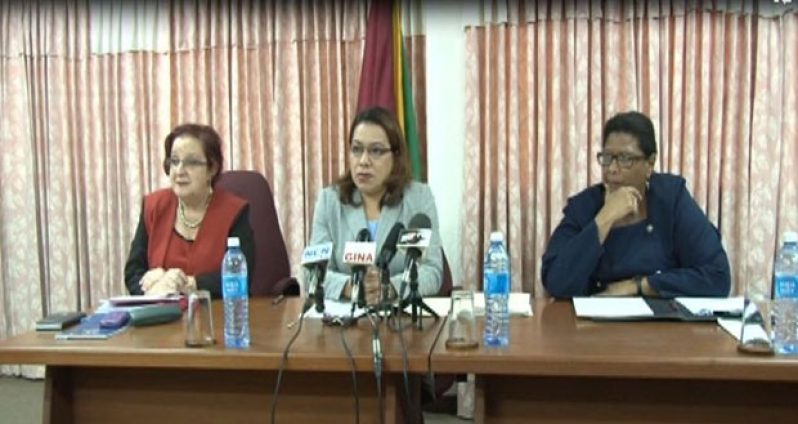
189 163
624 160
374 152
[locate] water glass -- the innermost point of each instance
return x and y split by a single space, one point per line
461 323
756 330
199 319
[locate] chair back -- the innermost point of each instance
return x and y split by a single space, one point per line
271 272
446 282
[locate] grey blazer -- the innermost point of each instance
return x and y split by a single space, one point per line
338 223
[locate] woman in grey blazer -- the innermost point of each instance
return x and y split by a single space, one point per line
376 192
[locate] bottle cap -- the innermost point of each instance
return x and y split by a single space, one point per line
790 237
233 242
496 236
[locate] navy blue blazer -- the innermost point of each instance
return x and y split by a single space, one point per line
676 247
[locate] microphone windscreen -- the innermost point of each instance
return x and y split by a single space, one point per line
389 247
363 235
420 220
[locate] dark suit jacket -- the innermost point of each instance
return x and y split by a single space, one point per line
676 247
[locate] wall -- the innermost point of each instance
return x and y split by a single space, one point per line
445 82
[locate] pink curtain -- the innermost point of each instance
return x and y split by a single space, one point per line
719 81
89 91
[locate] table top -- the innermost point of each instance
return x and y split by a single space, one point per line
551 342
318 347
554 342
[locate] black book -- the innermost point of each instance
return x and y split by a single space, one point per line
59 321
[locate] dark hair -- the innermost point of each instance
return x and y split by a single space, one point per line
400 176
207 136
635 124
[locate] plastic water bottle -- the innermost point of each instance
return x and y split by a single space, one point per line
785 296
236 296
496 284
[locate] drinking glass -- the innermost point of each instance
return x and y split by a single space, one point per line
199 319
461 322
756 329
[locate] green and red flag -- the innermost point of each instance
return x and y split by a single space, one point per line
385 74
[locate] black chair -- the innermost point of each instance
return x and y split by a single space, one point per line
446 281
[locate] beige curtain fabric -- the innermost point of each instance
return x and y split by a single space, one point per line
719 82
90 89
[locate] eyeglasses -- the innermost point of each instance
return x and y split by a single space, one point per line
188 163
375 152
624 160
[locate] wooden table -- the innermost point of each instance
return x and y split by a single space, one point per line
562 369
146 375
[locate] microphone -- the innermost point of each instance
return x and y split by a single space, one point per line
414 241
314 259
389 247
384 259
358 255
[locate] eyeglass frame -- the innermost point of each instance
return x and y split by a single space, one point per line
623 160
188 163
370 151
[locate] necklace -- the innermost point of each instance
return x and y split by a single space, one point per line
181 213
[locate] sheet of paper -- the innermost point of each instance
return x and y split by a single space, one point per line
334 308
440 305
519 304
712 305
611 307
734 327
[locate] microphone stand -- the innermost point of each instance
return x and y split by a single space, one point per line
385 305
358 294
415 301
320 271
316 297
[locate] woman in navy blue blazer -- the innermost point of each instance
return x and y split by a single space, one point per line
636 233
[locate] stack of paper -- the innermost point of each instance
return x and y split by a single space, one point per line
680 308
335 308
611 307
519 304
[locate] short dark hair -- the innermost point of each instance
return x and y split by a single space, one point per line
635 124
207 136
400 176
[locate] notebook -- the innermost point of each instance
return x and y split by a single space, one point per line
89 329
59 321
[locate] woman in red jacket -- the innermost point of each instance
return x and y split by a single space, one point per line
182 234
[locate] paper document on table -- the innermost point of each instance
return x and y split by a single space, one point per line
334 308
735 327
611 307
718 306
440 305
518 304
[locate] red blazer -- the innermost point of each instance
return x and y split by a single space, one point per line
210 244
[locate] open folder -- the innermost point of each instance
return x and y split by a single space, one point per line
646 308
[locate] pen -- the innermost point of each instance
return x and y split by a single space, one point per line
278 299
